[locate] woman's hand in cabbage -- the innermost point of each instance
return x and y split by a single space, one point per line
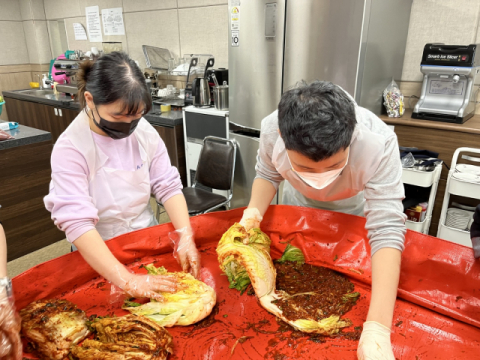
148 286
185 251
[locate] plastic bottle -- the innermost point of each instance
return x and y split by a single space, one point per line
424 206
44 81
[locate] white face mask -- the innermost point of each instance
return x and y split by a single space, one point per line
319 180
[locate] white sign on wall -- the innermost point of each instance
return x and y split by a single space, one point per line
79 32
113 21
93 24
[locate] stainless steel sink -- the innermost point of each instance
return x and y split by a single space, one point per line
45 94
39 92
70 89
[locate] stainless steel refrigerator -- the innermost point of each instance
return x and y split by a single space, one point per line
357 44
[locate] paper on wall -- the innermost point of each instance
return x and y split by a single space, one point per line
93 24
113 21
79 32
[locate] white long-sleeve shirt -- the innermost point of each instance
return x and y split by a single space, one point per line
373 168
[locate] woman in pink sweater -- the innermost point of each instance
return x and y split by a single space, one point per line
106 165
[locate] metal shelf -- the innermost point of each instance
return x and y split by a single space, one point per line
421 227
457 236
418 178
459 188
423 179
464 188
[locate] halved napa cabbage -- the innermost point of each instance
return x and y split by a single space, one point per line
243 254
191 303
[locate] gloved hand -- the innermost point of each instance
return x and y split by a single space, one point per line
185 251
140 286
375 342
251 218
10 326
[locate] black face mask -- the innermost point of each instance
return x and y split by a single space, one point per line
116 130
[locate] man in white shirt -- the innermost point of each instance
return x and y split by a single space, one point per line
335 155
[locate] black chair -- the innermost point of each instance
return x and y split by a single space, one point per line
215 170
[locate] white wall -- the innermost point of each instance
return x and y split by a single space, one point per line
183 26
197 26
13 45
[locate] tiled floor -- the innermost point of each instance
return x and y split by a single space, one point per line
28 261
50 252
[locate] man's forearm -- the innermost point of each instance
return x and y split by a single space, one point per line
385 277
262 195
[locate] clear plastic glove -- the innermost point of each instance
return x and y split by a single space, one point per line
147 286
185 251
10 326
375 342
251 218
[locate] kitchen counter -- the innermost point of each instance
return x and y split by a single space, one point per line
60 100
24 135
171 118
155 117
48 113
471 126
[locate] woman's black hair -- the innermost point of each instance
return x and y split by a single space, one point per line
111 78
316 120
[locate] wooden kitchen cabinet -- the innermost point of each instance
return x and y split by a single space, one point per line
25 178
28 113
49 118
59 119
173 139
69 115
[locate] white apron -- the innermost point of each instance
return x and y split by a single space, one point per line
121 197
345 194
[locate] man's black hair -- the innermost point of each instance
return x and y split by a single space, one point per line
316 120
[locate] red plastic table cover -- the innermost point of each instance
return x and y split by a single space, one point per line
437 314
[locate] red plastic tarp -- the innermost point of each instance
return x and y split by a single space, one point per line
437 315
